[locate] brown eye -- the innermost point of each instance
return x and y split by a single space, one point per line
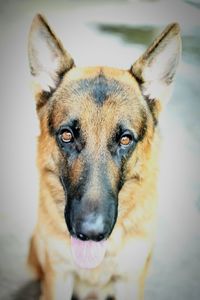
125 140
66 136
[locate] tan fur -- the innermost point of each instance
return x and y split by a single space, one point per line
124 269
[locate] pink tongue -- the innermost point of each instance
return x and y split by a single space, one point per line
88 254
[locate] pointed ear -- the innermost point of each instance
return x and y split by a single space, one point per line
47 58
156 68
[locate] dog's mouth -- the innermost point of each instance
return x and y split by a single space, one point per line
88 254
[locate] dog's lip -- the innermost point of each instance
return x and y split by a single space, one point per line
88 254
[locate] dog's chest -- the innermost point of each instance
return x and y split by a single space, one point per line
99 276
61 257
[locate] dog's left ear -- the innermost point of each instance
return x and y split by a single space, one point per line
156 68
47 58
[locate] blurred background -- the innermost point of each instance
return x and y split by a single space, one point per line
110 33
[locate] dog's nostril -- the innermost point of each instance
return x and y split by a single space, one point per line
92 228
82 237
100 237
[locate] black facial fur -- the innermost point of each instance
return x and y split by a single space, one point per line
119 152
80 204
99 88
78 143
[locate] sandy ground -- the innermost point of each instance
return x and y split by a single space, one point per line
92 32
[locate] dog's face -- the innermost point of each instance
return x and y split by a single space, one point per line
97 140
98 124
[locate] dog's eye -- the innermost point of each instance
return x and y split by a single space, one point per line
66 136
125 140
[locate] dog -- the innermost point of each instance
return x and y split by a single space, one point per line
98 153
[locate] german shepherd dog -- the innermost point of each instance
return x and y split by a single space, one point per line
98 162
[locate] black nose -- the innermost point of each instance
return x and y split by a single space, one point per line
92 227
94 236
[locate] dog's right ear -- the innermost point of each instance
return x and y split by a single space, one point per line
47 58
155 69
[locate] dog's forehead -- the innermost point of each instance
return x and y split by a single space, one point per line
99 88
101 83
87 92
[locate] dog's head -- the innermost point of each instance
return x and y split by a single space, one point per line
98 125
